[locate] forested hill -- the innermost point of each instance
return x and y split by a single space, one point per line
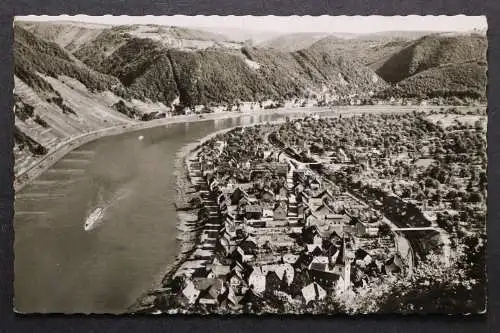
220 74
71 78
56 97
439 65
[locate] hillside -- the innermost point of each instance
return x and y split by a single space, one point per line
466 80
370 52
292 42
71 78
35 55
151 69
56 97
68 35
439 65
432 51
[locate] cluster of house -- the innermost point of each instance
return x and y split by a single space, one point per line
274 231
318 100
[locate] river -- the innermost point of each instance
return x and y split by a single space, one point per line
58 266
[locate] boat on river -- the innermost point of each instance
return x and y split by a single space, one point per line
94 217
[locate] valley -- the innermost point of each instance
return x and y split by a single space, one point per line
75 79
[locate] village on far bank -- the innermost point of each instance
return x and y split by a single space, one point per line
322 98
313 214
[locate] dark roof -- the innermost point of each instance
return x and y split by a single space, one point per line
318 266
200 273
360 254
247 245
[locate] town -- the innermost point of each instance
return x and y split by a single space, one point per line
294 217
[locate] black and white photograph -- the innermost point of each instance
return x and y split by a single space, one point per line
249 165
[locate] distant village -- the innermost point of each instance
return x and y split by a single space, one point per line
293 216
315 100
322 98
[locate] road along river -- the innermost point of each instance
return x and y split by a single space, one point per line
59 267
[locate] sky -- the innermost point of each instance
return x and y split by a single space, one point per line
291 24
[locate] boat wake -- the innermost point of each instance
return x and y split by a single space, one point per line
97 215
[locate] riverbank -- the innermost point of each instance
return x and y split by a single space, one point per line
31 172
188 230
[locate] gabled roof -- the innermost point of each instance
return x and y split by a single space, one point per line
323 193
233 298
219 270
280 204
190 291
326 208
313 291
248 244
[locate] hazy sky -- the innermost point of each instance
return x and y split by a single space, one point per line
288 24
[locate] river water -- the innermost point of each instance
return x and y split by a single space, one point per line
58 266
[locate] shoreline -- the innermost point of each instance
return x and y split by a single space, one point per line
189 236
25 177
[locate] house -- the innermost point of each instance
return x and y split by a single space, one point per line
311 219
267 195
230 224
211 290
280 211
267 210
217 270
273 281
313 292
257 281
253 211
303 261
247 249
325 271
236 281
317 200
336 222
234 299
190 292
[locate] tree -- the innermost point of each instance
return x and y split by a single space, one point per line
195 202
384 230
